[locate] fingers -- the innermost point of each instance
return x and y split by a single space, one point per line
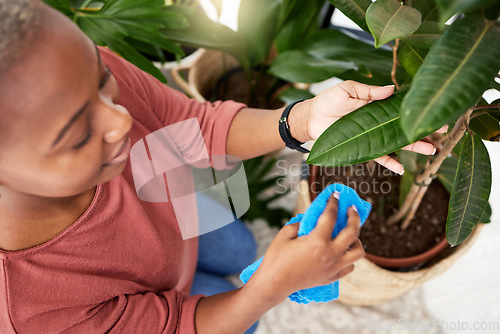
355 252
391 164
350 233
421 147
288 231
326 221
442 129
366 92
343 272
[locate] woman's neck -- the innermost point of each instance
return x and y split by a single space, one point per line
27 221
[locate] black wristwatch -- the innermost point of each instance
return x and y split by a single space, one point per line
284 130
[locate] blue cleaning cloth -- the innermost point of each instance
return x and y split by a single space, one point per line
308 220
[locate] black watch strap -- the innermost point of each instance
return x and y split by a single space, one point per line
284 130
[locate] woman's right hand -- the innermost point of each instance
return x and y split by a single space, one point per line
293 263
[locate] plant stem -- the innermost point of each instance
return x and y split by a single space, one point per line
395 63
423 180
488 106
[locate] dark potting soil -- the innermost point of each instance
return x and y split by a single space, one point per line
380 187
234 85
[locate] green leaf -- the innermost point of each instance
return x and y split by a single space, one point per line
486 216
453 77
300 22
425 36
428 8
405 185
494 84
486 126
354 9
297 66
257 22
63 6
202 32
116 43
410 57
118 23
389 19
446 176
448 8
294 94
447 171
471 190
376 64
367 133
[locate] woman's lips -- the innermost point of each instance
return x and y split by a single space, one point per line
122 155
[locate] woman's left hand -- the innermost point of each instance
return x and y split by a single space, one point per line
339 100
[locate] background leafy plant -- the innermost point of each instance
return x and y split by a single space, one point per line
131 28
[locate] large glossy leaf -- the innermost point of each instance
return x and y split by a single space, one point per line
410 57
486 126
447 8
390 19
327 45
297 66
354 9
257 22
365 134
471 190
300 22
99 33
446 176
426 35
119 21
453 76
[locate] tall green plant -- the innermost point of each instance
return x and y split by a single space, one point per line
128 27
447 69
265 28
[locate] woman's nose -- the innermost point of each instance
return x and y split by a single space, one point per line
118 123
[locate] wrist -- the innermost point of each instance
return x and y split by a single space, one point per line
298 121
265 296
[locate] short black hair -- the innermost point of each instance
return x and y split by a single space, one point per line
17 24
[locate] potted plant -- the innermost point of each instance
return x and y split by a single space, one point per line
448 69
129 28
263 53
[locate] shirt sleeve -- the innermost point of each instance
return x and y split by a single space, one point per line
170 106
168 312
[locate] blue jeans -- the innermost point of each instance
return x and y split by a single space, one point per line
222 252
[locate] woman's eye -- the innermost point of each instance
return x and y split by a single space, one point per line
84 141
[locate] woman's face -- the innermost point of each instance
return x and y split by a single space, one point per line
62 131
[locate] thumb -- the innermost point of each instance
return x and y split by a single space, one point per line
362 91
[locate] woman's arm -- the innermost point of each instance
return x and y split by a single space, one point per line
254 132
291 263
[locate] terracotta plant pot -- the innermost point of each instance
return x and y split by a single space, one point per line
387 262
371 284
